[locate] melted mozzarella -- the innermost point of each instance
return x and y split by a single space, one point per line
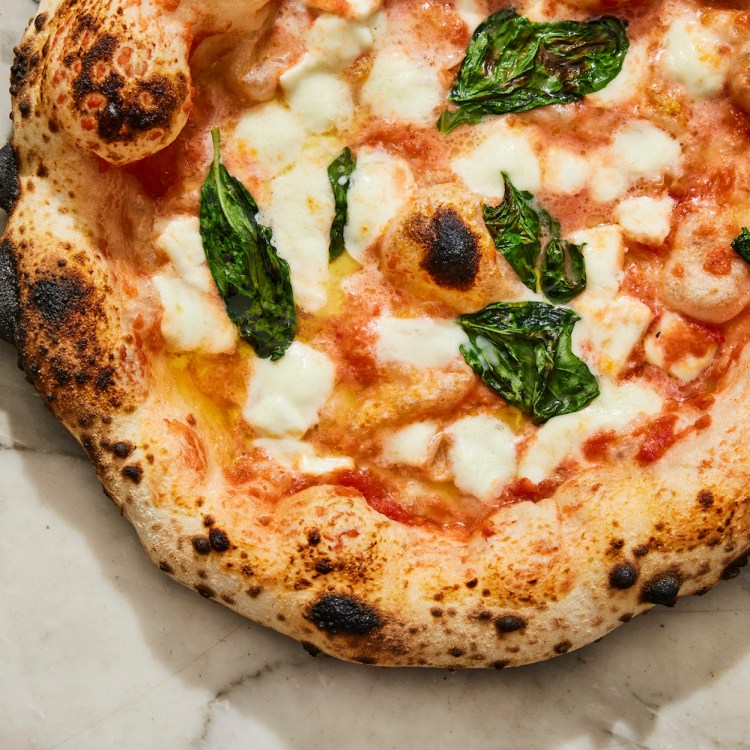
300 456
646 219
692 57
482 455
320 99
561 436
300 214
402 87
564 171
604 255
629 81
337 41
421 342
271 135
413 445
502 148
180 239
380 186
470 12
285 396
191 319
687 367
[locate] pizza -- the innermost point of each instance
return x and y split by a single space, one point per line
414 330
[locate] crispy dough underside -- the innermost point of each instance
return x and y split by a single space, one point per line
322 566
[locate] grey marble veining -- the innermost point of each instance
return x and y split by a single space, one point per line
98 649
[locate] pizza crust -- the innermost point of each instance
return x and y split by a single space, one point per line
322 566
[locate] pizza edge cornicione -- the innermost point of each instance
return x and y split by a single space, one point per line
321 565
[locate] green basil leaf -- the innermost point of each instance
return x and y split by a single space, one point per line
516 229
253 280
339 175
514 65
562 271
522 350
741 244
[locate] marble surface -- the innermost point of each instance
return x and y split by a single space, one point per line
98 649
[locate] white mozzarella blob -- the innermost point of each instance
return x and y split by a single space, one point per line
482 455
271 135
362 8
470 12
402 87
300 213
608 183
672 332
337 41
629 81
501 149
380 186
180 239
300 456
644 219
320 100
692 57
285 396
565 172
645 151
191 319
606 334
421 342
564 435
413 445
604 255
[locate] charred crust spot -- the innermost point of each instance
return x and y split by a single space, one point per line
311 648
456 652
133 472
9 186
641 550
206 591
623 576
627 617
472 584
132 106
662 589
201 545
166 567
705 499
339 613
733 569
219 540
313 538
22 63
208 520
230 600
254 591
563 647
57 299
510 623
24 107
9 304
368 660
324 567
121 449
436 612
39 21
450 250
500 664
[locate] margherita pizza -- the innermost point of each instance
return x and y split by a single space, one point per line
415 330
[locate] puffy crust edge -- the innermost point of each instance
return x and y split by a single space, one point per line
324 567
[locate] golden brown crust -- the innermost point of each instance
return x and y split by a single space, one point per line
540 579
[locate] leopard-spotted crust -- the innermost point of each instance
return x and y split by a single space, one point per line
321 565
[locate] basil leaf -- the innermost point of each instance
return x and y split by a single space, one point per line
522 351
253 280
562 271
515 229
741 244
514 65
339 175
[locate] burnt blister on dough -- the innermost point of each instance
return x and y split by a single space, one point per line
338 613
9 185
451 251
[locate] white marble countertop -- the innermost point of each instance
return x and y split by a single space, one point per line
98 649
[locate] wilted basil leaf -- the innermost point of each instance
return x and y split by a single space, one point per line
518 229
515 229
741 244
522 351
253 280
339 175
513 65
